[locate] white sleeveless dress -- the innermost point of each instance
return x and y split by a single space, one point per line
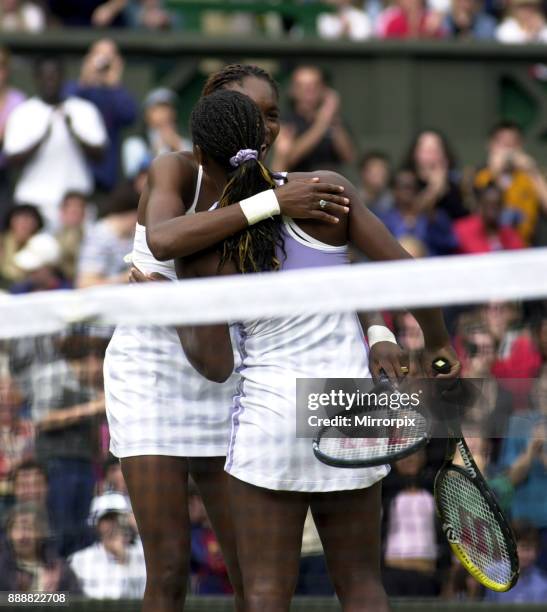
156 403
264 450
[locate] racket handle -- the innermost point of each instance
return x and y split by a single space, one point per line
441 365
383 377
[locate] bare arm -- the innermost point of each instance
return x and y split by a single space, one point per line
371 236
342 142
57 419
171 234
386 356
207 347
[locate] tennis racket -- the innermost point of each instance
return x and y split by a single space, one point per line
369 441
476 529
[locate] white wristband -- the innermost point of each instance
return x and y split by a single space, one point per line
379 333
260 206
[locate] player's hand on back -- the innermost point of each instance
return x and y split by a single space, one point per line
137 276
299 199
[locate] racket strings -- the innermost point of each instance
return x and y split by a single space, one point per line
369 442
471 524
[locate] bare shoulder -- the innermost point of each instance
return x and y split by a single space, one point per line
174 168
325 176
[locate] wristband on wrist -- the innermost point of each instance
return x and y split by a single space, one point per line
260 206
379 333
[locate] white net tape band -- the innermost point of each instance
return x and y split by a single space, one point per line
370 286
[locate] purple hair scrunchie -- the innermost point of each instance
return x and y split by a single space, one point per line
242 156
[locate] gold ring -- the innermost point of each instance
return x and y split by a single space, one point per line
404 369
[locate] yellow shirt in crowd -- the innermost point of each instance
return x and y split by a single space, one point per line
520 194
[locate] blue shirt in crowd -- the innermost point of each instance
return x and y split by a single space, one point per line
531 588
434 231
483 27
527 503
118 110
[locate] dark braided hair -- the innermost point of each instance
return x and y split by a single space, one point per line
222 124
235 73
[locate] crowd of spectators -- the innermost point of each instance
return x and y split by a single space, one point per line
507 21
66 520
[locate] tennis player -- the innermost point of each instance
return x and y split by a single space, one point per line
275 476
165 419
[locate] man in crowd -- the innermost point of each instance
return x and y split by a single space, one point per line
51 139
313 135
100 83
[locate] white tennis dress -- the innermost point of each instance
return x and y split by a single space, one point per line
156 402
264 449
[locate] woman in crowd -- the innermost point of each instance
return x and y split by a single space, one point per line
431 158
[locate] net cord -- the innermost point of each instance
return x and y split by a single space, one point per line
458 279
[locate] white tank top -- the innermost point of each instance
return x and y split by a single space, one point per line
142 257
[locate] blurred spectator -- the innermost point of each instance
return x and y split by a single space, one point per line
483 231
312 136
532 584
375 178
410 553
518 176
347 22
431 158
460 584
40 259
151 15
113 567
209 575
10 98
71 232
525 23
21 16
518 357
25 564
489 414
160 133
409 19
66 425
408 333
525 448
88 13
30 483
113 477
100 83
406 219
49 139
109 241
16 437
467 20
22 223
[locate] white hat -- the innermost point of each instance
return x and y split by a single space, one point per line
107 503
41 250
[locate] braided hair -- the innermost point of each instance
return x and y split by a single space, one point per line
235 73
222 124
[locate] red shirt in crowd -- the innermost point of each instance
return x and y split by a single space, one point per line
394 23
473 238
